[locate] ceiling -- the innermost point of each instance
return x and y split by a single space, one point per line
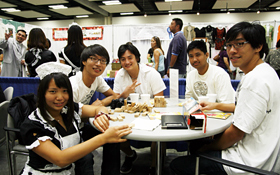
33 9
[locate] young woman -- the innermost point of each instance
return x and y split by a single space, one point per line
71 53
38 52
51 132
149 82
158 55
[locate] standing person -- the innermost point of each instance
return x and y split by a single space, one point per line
94 60
38 53
71 53
158 55
206 78
14 52
273 58
177 51
150 55
223 60
254 136
51 132
139 78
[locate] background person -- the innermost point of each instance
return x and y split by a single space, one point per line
273 58
71 53
38 52
158 55
150 55
14 52
223 60
51 132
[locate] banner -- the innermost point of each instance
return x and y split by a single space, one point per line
147 32
89 33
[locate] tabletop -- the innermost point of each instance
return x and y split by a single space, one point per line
213 126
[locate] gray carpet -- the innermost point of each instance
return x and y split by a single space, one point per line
141 165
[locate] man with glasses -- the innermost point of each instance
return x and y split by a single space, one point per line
14 52
85 83
254 137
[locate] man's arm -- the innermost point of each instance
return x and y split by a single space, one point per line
110 95
172 62
227 64
227 139
226 107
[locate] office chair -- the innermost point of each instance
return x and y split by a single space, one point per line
8 92
231 164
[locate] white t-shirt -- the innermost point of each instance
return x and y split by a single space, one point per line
150 79
215 81
83 94
257 114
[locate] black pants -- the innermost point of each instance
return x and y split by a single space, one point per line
111 156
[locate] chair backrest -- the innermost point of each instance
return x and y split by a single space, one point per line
3 119
8 92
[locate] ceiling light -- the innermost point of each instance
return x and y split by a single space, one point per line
82 16
228 13
169 14
258 12
42 18
58 7
129 13
277 8
197 13
111 2
145 15
172 0
175 11
10 10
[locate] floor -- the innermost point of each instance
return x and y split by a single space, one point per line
141 166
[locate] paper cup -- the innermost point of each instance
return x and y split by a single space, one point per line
134 97
145 98
203 98
212 97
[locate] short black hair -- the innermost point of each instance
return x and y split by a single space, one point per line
21 30
94 50
253 33
129 46
278 44
197 44
179 22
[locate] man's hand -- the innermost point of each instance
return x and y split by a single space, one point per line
101 123
22 62
97 102
206 105
129 89
7 36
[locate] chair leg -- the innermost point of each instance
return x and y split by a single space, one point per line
197 166
9 155
14 164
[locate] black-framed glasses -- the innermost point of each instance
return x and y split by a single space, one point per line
237 45
95 60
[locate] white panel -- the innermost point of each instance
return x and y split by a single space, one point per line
276 4
183 5
29 14
5 17
41 2
72 11
120 8
221 4
5 4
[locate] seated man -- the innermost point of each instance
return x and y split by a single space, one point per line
149 82
254 137
207 79
94 60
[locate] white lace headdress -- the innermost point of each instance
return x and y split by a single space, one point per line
52 67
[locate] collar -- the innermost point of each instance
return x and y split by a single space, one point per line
178 33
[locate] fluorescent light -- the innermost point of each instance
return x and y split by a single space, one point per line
277 8
197 13
145 15
111 2
10 10
175 11
82 16
58 7
128 13
172 0
228 13
169 14
42 18
258 12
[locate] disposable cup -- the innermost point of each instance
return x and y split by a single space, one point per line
212 97
145 98
134 97
203 98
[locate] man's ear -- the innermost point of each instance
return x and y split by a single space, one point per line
259 48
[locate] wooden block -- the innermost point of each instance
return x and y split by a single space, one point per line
118 110
111 112
114 118
125 102
144 113
156 111
131 125
120 118
136 115
131 112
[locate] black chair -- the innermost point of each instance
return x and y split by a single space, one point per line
231 164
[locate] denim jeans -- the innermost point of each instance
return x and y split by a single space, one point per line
185 165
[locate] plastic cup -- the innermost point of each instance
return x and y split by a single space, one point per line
203 98
212 97
134 97
145 98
